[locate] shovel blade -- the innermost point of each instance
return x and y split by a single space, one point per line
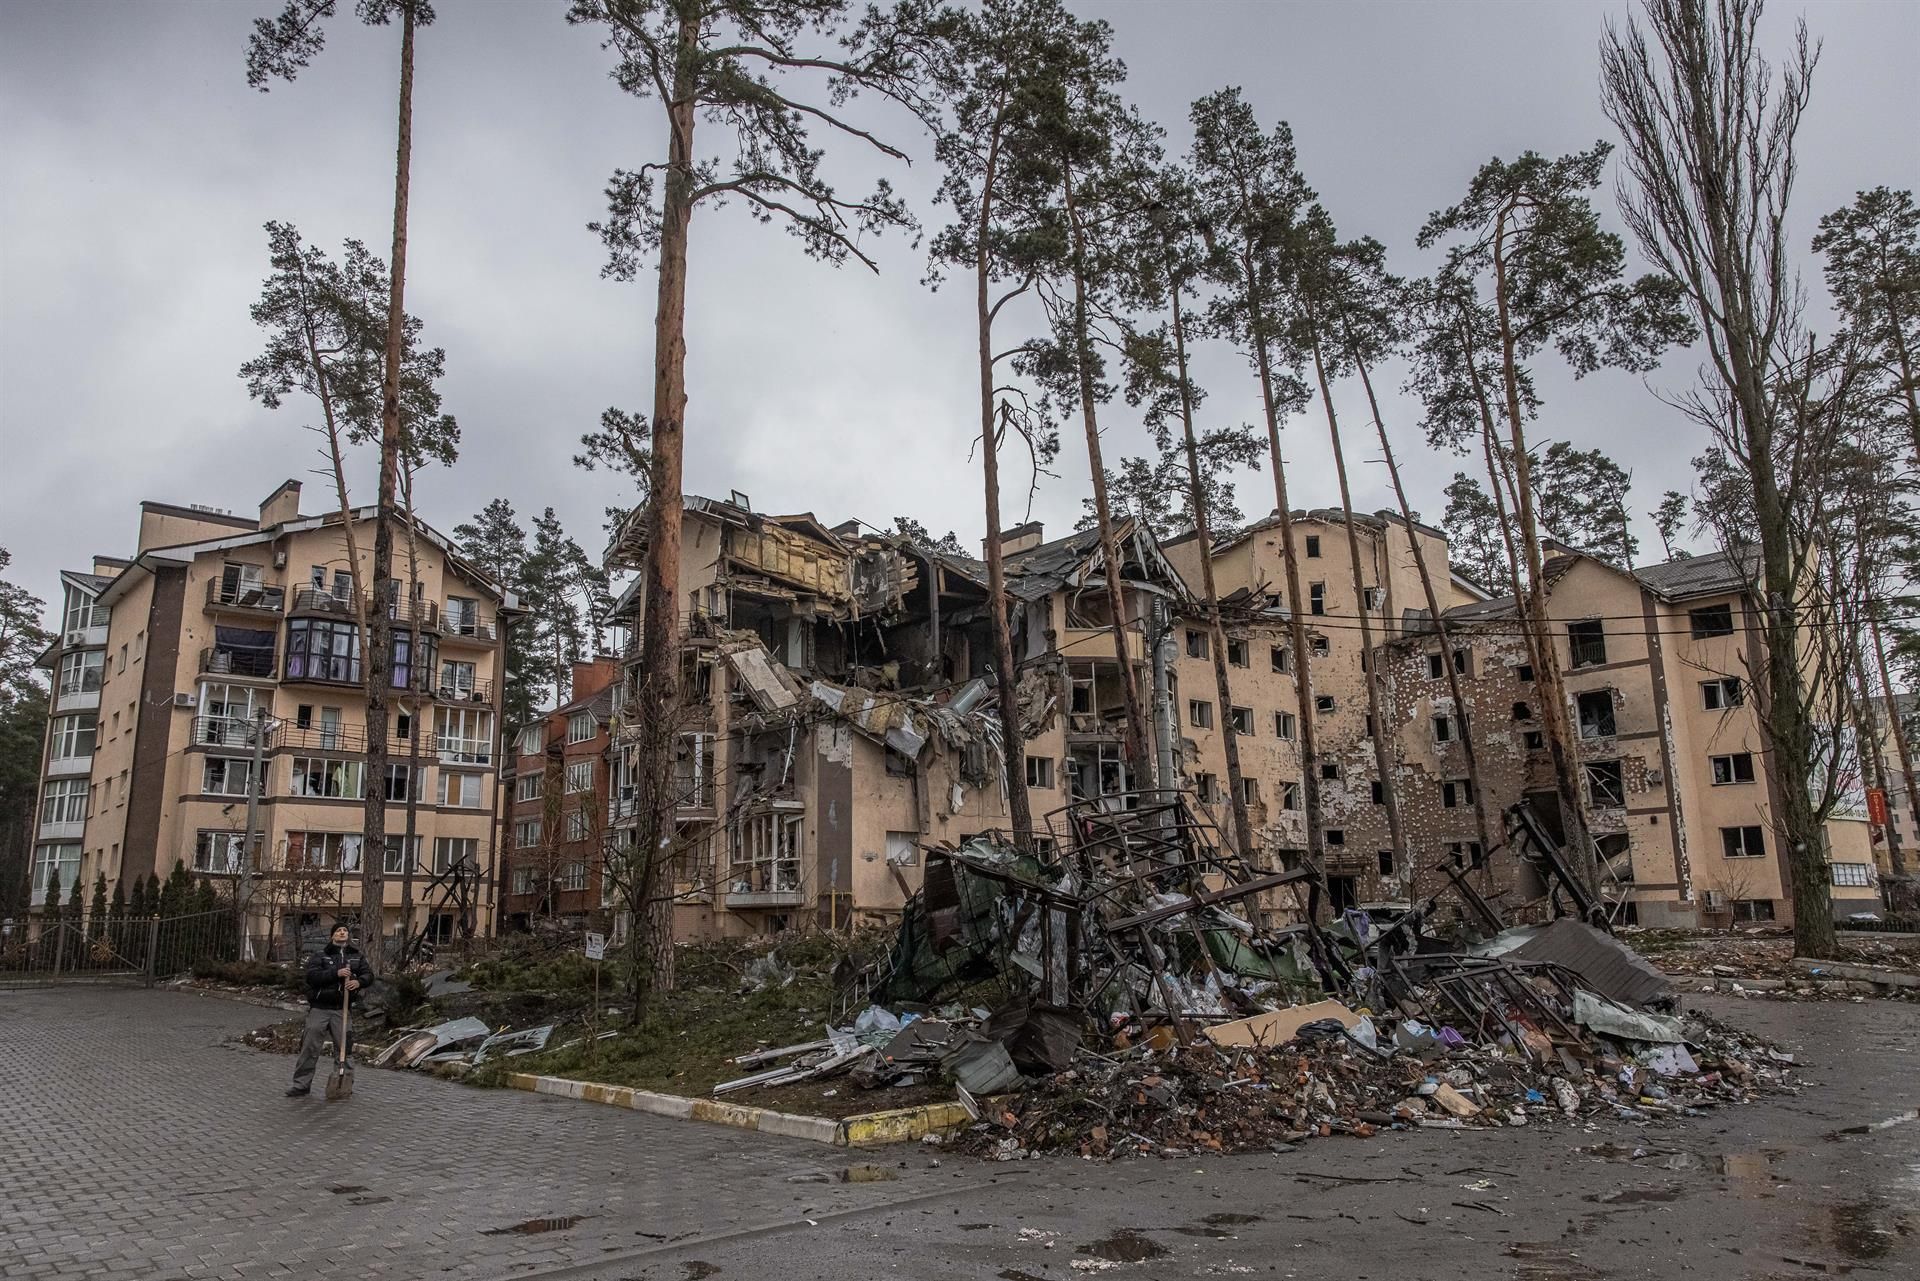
340 1086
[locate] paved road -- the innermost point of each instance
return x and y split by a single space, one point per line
137 1145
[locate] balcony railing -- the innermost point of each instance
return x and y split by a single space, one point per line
224 731
311 600
473 691
464 751
255 597
331 738
237 662
469 627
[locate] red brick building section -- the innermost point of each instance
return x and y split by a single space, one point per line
557 806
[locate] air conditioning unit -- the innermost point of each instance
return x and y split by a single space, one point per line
280 559
78 637
1716 899
1656 778
187 700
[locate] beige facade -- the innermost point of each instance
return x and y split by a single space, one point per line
220 629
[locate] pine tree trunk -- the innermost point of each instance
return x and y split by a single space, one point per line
1438 616
1296 624
1910 391
1382 754
1553 693
1216 633
1006 675
651 951
1136 738
379 657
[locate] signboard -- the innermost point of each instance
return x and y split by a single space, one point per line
596 947
1877 806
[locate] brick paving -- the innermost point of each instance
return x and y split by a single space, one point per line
139 1143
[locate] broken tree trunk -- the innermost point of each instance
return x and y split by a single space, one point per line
1533 607
1369 666
1297 630
1898 727
1136 736
1438 616
1216 633
1006 676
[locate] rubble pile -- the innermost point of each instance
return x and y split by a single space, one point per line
1164 997
1204 1098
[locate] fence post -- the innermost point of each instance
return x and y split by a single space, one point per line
59 946
153 947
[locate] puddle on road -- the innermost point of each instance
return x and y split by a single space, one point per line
533 1227
1866 1229
868 1174
1125 1246
1635 1196
1543 1262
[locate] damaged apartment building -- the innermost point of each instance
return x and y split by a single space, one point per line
839 714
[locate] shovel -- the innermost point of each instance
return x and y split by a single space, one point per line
340 1080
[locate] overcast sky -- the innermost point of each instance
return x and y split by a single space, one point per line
139 168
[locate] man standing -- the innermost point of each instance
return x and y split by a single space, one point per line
335 976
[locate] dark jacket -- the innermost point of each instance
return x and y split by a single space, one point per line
324 984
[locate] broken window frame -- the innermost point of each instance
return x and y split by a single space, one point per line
1045 772
1282 657
1606 784
1586 643
1237 652
1286 725
1323 705
1747 840
1316 598
1604 722
1197 643
1241 720
1199 713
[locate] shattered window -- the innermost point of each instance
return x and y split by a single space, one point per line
1203 786
1250 791
1851 874
1336 836
1284 724
1385 860
1536 740
1443 729
1323 703
1587 643
1237 653
1463 661
1523 672
1199 713
1241 718
1743 842
1196 643
1436 668
1319 646
1290 796
1606 789
1313 547
1711 620
1040 771
1596 713
1330 770
1521 712
1316 598
1456 792
1282 659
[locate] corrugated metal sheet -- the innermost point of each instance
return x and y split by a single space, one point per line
1615 970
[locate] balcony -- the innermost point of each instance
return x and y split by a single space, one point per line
1097 642
223 731
471 691
85 698
311 600
466 628
252 599
422 613
68 766
71 830
323 669
253 663
331 738
746 899
464 751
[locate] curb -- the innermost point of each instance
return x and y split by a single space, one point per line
870 1129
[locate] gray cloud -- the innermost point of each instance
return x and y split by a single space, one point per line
139 168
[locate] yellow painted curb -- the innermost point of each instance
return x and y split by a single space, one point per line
901 1125
870 1129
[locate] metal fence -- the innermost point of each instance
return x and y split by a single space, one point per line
123 948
